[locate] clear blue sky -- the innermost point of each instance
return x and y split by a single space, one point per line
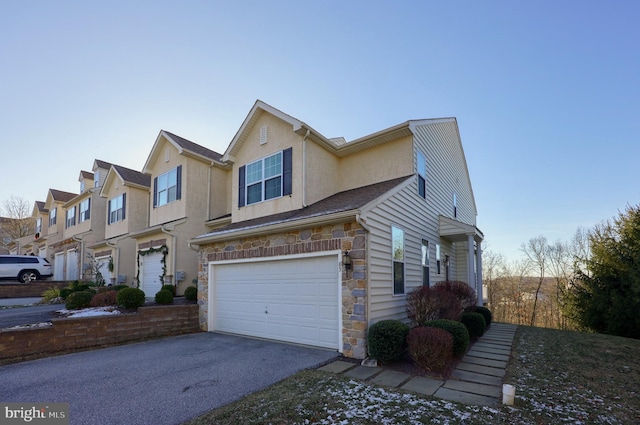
546 93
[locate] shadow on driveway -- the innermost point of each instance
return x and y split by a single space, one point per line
166 381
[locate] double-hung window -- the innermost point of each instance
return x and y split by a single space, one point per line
117 207
52 216
265 179
85 210
39 225
71 217
167 187
425 262
397 244
422 174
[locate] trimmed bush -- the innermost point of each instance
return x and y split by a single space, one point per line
430 348
475 324
130 297
457 330
387 340
465 293
74 286
78 299
104 299
486 313
191 293
119 287
170 288
164 297
425 304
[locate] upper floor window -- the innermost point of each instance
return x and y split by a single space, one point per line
71 217
397 244
422 174
96 178
117 207
85 213
81 186
52 216
167 187
39 225
265 179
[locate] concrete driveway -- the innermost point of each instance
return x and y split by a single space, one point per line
166 381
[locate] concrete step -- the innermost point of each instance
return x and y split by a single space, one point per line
463 375
474 388
485 370
466 398
484 362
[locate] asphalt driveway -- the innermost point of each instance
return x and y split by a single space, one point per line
166 381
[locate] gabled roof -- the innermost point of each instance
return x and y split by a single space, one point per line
347 201
184 147
132 176
40 206
101 164
86 175
61 196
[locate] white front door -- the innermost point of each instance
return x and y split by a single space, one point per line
58 266
72 265
294 300
151 274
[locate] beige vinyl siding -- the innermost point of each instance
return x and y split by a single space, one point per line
446 170
446 173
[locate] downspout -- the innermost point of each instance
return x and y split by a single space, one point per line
304 169
208 193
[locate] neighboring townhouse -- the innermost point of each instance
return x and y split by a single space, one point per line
54 203
127 194
326 237
82 219
41 217
188 188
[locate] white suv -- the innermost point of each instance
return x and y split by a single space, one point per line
24 267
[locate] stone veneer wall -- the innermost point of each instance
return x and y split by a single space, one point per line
343 236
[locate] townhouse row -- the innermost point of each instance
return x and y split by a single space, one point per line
288 234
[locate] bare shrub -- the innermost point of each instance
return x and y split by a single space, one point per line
104 299
430 348
425 304
465 293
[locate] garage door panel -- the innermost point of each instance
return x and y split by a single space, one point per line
292 300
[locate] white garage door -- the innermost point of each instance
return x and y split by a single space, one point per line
294 300
151 272
103 268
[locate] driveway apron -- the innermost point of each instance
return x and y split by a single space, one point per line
165 381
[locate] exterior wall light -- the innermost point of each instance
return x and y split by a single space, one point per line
346 260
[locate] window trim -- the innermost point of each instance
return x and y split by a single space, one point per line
123 197
70 221
395 261
284 174
438 258
53 214
178 186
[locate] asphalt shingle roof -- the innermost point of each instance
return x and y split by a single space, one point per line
194 147
133 176
61 196
343 201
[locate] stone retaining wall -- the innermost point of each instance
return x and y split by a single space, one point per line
86 332
27 290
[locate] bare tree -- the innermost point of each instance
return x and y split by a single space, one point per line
536 252
16 220
561 266
493 268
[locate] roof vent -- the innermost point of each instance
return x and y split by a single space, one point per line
263 135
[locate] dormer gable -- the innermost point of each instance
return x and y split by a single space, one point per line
123 176
168 144
100 170
86 181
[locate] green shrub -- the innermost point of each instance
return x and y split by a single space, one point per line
425 304
457 330
130 297
119 287
465 293
387 340
171 288
430 348
191 293
78 299
486 313
164 297
104 299
64 292
74 286
475 324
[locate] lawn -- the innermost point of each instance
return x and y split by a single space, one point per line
560 377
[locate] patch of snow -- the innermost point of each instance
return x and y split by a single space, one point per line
89 312
32 326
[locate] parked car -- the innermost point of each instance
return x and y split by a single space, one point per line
24 267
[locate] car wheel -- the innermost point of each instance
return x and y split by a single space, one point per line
27 276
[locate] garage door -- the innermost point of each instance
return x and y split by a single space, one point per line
151 272
294 300
58 267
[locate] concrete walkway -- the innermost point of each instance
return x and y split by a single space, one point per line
477 379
